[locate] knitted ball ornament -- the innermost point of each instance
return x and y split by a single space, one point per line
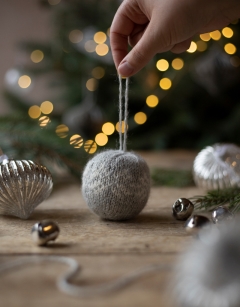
116 184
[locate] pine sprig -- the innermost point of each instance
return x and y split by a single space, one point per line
22 138
215 198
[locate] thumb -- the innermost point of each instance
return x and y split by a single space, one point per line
148 46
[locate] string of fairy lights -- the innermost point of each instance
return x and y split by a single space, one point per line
99 45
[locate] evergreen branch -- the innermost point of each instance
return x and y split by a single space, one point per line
174 178
215 198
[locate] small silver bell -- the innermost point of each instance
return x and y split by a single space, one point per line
44 231
182 209
221 214
195 223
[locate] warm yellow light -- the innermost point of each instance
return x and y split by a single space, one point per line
165 83
100 37
90 46
98 72
162 65
227 32
140 118
235 61
37 56
101 139
92 84
54 2
201 46
215 35
34 111
102 49
46 107
192 48
90 146
62 131
152 101
43 121
75 36
24 81
177 64
108 128
205 37
230 48
118 127
76 141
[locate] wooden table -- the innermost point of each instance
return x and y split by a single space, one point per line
105 250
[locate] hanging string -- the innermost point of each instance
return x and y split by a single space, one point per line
123 138
64 285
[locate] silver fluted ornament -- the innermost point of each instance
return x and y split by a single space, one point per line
23 186
217 167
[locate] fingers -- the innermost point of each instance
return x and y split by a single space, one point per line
181 47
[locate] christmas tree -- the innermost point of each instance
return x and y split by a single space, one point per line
185 101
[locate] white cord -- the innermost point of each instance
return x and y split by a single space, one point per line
64 285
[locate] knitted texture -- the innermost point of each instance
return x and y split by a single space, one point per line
116 184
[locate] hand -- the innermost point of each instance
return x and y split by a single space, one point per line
154 26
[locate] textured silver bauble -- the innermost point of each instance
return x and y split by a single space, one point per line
116 184
23 185
217 167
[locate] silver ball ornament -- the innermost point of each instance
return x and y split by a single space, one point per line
44 231
221 214
116 184
217 167
182 209
195 223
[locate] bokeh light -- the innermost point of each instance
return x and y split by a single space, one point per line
90 46
118 127
100 37
215 35
227 32
34 112
101 139
90 146
230 48
44 121
92 84
46 107
37 56
62 131
152 101
98 72
140 118
76 141
75 36
201 46
24 81
108 128
177 64
205 37
165 83
192 48
162 65
102 49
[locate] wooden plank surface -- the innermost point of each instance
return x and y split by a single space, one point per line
105 250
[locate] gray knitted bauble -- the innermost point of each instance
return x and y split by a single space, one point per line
116 184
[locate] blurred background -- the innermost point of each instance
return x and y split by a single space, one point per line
59 87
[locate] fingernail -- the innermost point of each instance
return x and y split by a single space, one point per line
125 69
